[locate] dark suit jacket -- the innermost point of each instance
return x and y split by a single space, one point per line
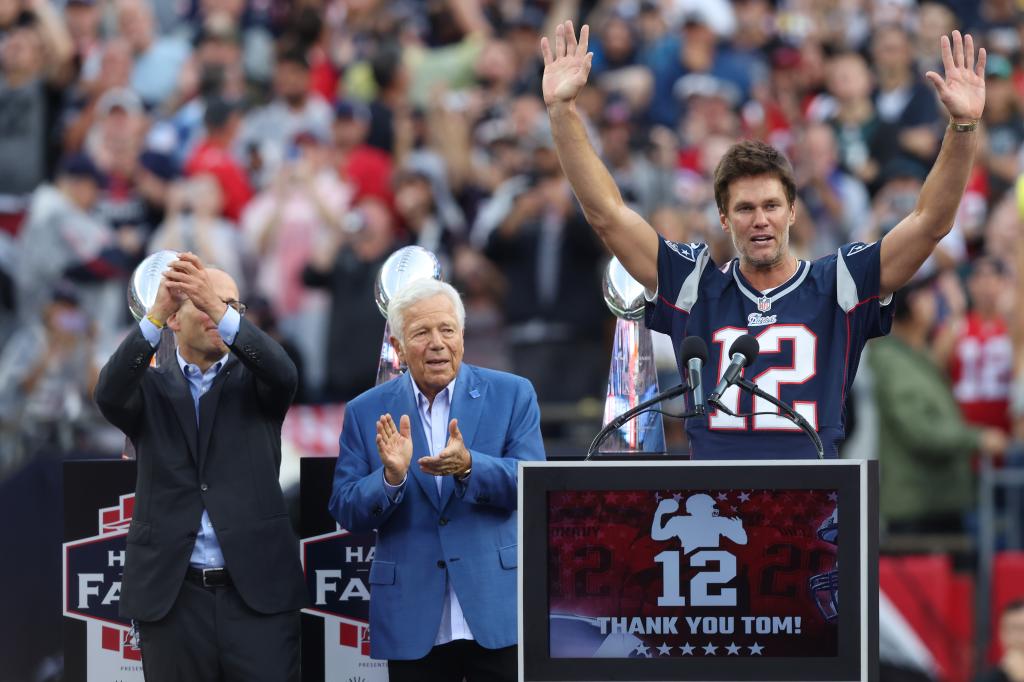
229 465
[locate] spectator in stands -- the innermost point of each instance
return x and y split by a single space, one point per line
214 156
1004 127
645 182
393 83
1011 636
974 344
905 104
284 225
35 57
157 59
47 374
419 214
835 201
195 223
82 108
267 131
84 18
366 168
924 445
347 267
62 237
853 115
552 262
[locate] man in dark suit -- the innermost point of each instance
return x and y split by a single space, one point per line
212 575
443 579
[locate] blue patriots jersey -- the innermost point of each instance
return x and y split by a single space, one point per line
810 330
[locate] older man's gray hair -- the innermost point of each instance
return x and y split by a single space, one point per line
413 293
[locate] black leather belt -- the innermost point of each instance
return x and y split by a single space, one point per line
209 577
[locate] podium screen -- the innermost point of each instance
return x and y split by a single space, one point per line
692 572
695 571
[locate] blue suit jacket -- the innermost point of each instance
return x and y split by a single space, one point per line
466 534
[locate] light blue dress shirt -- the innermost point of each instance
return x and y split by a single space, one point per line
434 417
206 553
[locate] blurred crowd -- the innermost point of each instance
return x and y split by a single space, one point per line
297 143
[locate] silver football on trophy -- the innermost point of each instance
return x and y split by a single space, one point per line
403 266
623 294
145 282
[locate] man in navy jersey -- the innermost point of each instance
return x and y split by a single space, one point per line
811 318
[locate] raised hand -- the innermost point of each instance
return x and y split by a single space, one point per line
453 459
394 447
566 69
963 88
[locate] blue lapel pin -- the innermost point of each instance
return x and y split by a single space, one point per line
474 393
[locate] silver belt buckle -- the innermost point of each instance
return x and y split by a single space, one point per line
207 571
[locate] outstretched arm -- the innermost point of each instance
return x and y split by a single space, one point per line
627 235
962 90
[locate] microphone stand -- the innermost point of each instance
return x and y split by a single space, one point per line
787 411
634 411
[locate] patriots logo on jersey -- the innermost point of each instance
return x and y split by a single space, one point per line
857 248
687 251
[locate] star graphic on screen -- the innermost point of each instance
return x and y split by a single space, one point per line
733 649
755 649
664 649
744 497
686 649
710 649
642 650
722 497
677 496
833 496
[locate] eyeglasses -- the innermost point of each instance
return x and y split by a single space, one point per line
239 307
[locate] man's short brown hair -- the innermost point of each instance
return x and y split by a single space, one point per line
750 158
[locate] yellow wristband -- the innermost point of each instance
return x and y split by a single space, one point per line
968 127
156 323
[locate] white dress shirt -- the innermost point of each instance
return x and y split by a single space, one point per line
434 417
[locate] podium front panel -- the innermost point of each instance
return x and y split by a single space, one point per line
698 570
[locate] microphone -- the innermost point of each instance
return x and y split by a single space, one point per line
787 412
694 353
744 351
691 343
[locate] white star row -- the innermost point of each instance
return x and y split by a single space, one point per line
709 649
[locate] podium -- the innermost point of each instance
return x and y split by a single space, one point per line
694 570
644 569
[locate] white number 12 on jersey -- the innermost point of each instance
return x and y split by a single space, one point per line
805 345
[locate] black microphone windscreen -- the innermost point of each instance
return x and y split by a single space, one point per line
693 347
746 346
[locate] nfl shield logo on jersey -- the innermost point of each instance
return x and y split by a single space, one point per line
764 304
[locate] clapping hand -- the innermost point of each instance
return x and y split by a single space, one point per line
453 459
188 277
394 446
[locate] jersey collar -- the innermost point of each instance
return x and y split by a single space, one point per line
764 301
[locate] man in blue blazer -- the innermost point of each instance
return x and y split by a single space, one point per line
443 579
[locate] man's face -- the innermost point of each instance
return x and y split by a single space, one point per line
986 284
433 345
1011 630
195 330
291 82
758 218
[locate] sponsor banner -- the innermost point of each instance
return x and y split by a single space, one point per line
92 570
